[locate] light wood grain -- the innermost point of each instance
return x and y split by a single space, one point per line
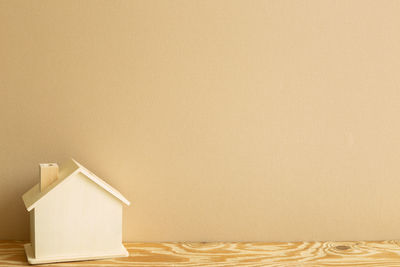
382 253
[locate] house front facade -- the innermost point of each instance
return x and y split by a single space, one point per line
78 216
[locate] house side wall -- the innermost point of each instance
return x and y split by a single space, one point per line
32 230
78 218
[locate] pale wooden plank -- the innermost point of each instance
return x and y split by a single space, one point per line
379 253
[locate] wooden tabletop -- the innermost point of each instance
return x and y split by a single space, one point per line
382 253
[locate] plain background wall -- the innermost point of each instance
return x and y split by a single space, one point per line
218 120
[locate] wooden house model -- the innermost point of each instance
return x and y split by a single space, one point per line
74 215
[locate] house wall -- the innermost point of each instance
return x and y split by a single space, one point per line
32 230
270 120
78 218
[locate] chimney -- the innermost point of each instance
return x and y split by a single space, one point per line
48 174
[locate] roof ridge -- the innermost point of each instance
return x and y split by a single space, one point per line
33 196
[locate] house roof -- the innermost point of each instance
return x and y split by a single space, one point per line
34 196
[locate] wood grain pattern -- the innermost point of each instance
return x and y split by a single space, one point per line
380 253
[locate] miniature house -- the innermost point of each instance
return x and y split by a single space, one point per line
74 215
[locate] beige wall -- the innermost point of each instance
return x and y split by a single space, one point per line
218 120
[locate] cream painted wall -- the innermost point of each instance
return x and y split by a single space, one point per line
218 120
